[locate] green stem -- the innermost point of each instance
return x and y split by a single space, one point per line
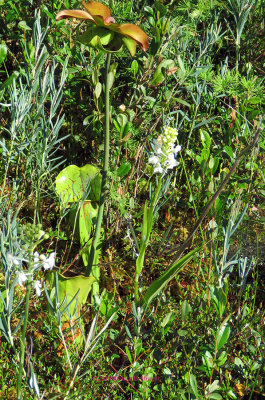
145 239
104 182
22 342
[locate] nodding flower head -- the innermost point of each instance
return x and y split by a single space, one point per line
103 33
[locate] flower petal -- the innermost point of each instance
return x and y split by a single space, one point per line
134 32
98 10
79 14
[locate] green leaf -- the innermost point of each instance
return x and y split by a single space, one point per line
207 360
2 297
134 66
130 44
229 152
23 25
223 334
206 139
159 73
221 359
78 286
181 101
124 169
9 81
157 286
72 183
3 52
87 218
254 100
185 310
166 319
193 385
215 396
98 90
219 299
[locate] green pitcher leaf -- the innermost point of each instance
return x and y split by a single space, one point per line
69 287
87 218
72 182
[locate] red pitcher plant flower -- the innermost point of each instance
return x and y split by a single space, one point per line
103 33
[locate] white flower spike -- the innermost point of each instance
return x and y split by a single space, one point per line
165 152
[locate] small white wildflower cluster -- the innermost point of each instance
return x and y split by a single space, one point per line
40 261
31 235
166 152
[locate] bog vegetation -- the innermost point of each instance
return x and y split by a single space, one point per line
132 199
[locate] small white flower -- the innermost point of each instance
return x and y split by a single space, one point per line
21 277
48 263
177 148
158 169
36 257
12 260
37 286
153 160
171 162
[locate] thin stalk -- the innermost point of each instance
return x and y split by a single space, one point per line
144 243
22 342
104 182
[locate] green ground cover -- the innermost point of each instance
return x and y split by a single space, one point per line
132 199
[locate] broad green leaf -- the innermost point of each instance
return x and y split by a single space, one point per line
87 218
223 334
157 286
72 183
219 299
159 73
193 385
166 319
124 169
185 310
130 44
229 152
98 90
210 391
206 139
221 359
70 287
122 120
23 25
215 396
134 66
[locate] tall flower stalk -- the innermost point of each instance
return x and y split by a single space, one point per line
21 264
104 182
162 160
104 34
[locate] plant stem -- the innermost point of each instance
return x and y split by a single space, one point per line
105 168
146 232
22 342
